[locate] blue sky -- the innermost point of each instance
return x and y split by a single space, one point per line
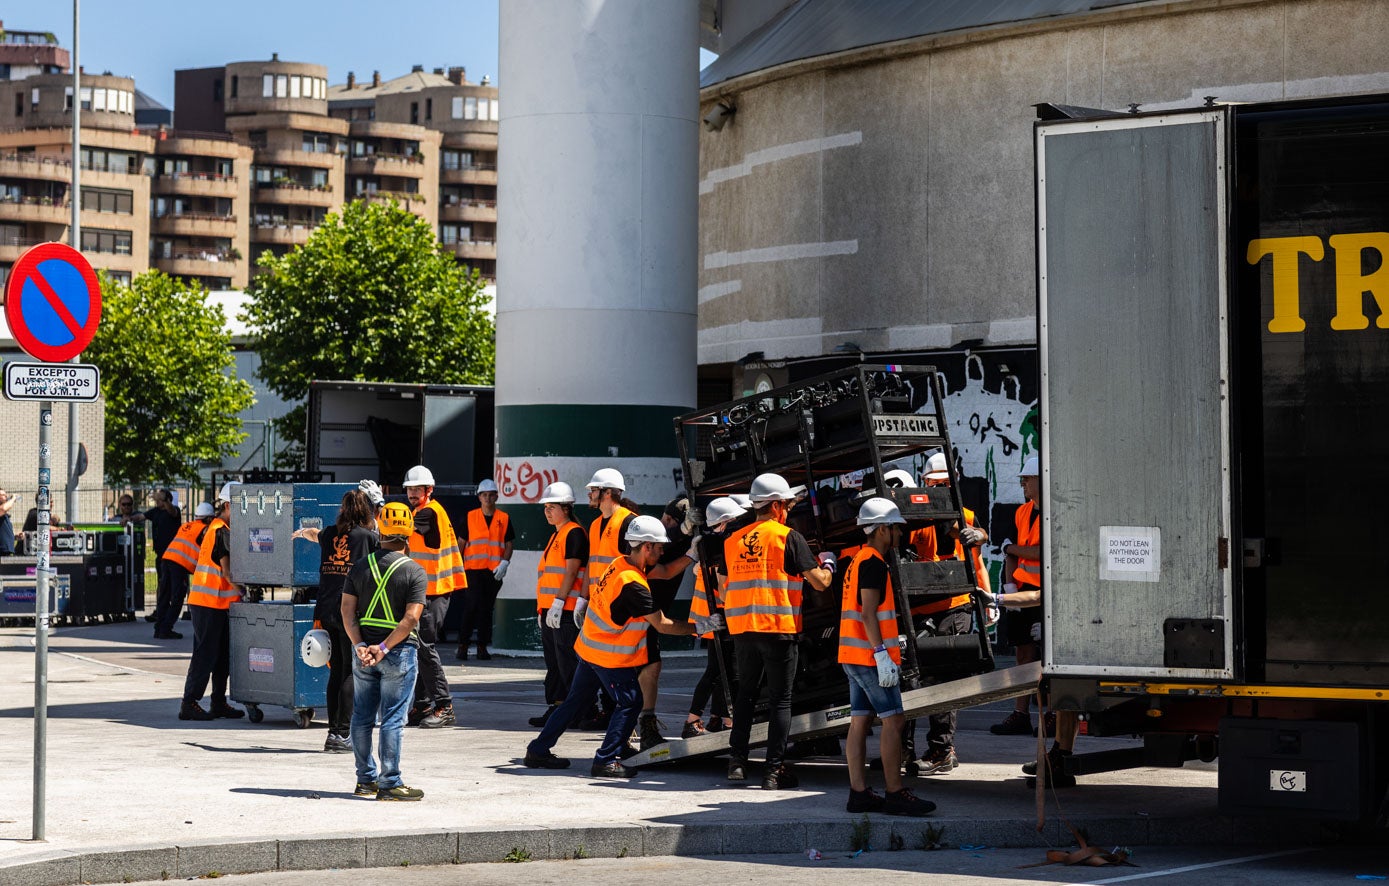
150 39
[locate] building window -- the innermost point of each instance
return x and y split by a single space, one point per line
235 83
113 242
457 110
217 90
294 87
415 112
19 104
121 277
429 109
470 108
103 200
267 86
496 111
448 234
317 142
281 86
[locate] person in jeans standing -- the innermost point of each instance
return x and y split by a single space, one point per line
7 502
382 603
164 520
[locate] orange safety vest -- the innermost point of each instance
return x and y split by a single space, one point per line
854 646
209 586
486 543
699 603
550 574
924 540
760 596
603 547
442 565
187 542
1029 572
603 643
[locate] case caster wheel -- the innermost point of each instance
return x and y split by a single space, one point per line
254 714
304 718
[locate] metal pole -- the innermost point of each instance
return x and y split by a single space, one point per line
41 621
75 241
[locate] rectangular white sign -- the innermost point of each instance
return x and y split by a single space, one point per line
52 381
905 426
1287 781
1130 553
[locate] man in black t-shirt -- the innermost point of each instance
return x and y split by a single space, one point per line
382 603
163 520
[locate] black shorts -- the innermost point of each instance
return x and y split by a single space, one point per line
653 645
1017 624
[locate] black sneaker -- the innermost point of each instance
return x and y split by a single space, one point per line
612 770
1016 723
191 710
337 744
547 760
780 779
1054 773
365 789
417 715
904 802
483 654
168 635
737 770
715 724
544 718
400 793
224 711
461 653
650 730
692 729
439 718
863 801
938 762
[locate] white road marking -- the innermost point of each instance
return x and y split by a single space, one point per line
1201 867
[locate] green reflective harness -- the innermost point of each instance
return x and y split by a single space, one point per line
386 619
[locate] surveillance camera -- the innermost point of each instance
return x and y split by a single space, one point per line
719 115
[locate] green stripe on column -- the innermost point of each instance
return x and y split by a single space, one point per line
566 430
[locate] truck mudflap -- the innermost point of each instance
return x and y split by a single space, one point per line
948 696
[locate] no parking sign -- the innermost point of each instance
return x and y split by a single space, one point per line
53 306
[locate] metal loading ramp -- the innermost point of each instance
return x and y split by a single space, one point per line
948 696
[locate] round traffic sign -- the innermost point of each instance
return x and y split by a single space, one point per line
52 302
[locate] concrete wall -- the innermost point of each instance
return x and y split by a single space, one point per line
885 196
19 455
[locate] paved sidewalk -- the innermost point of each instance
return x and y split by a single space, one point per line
124 772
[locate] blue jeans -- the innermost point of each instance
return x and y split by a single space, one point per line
621 684
388 687
866 697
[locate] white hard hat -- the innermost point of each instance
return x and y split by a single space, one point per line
204 509
226 493
1029 468
608 478
877 511
315 648
936 468
721 510
487 486
644 528
770 487
419 475
741 500
557 493
898 479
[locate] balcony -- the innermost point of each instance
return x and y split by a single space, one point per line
198 264
196 184
469 211
11 248
35 209
475 249
35 168
291 157
294 194
387 164
477 174
282 234
196 224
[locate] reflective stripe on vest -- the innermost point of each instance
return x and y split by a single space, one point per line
603 643
924 541
387 618
699 603
760 595
486 542
443 566
550 574
854 645
604 544
184 549
209 587
1028 572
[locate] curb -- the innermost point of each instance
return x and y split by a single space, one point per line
628 839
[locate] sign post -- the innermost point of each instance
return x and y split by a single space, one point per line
53 305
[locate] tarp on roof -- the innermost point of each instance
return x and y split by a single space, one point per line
820 27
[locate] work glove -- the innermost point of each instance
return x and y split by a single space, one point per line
552 618
887 669
988 596
973 537
828 561
580 609
708 624
694 547
500 572
1036 632
694 518
373 492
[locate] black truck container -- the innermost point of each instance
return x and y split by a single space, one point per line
1214 341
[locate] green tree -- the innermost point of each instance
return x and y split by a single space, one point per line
172 397
371 296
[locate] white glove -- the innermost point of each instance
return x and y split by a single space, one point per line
500 572
707 624
969 535
580 607
373 492
887 669
694 547
829 561
1036 632
552 618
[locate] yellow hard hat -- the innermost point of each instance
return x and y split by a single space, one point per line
396 521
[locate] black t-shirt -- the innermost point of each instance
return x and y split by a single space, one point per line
337 553
663 590
576 545
6 534
872 573
221 545
427 525
405 586
633 601
798 558
163 527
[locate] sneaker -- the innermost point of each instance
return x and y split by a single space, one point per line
542 719
693 728
191 710
224 711
168 635
612 770
1054 773
863 801
151 617
904 802
780 779
337 744
715 724
417 715
439 718
547 760
737 770
1016 723
938 762
365 789
399 792
483 654
650 730
1049 723
461 653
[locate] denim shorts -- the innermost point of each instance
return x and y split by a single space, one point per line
866 697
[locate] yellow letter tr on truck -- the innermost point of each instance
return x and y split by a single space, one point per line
1213 326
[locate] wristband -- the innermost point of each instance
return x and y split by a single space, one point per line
384 648
361 645
881 647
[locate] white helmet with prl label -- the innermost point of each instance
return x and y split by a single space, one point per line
877 512
608 478
559 493
644 528
419 475
770 487
316 648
